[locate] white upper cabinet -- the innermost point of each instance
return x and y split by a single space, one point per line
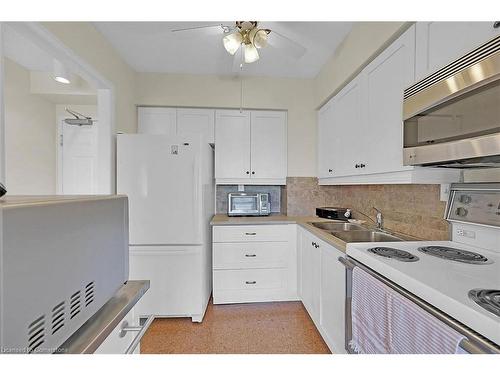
196 121
268 144
360 131
250 147
327 140
177 121
439 43
232 147
385 78
348 129
157 120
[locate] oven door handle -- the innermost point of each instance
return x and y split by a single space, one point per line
141 329
346 262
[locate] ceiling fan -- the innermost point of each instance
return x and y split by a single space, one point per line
248 37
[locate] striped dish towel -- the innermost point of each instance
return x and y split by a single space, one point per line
385 322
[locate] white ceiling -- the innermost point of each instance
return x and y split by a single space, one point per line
152 47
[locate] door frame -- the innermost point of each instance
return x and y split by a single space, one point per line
38 34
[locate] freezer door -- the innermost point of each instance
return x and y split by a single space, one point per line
161 177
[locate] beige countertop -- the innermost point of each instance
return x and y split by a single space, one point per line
303 221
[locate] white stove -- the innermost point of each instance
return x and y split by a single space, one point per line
460 277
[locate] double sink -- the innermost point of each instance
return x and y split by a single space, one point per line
348 232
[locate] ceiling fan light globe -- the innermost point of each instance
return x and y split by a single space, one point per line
260 38
251 53
232 42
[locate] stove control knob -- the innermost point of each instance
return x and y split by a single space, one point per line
461 211
465 199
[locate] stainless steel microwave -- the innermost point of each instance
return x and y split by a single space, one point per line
248 204
452 117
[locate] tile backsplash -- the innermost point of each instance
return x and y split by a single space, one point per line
273 190
410 209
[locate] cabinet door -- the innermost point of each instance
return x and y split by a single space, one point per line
232 144
348 128
268 144
310 276
327 140
196 121
157 121
385 79
332 306
439 43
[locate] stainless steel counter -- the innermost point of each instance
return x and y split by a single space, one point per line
93 332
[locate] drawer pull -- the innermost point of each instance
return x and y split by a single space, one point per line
250 233
250 282
250 255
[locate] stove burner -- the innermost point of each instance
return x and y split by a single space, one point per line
488 299
457 255
389 252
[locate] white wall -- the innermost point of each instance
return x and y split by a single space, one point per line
294 95
30 134
85 41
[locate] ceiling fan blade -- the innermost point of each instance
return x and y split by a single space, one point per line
217 29
287 45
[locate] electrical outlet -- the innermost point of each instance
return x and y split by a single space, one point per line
444 192
241 187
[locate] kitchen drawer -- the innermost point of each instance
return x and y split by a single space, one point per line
250 255
247 233
250 285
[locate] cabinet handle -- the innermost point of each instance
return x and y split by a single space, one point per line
253 172
250 255
362 165
496 25
330 170
247 172
250 233
313 244
356 166
250 282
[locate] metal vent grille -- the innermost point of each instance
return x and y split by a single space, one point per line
480 53
75 305
89 293
36 334
58 317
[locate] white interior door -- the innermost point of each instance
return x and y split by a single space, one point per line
78 159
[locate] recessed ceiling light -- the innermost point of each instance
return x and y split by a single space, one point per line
61 74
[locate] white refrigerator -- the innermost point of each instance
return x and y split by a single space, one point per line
171 189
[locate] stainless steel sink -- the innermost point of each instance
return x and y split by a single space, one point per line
334 227
365 236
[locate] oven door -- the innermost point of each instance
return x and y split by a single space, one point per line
241 205
472 342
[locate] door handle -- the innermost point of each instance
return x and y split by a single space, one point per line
250 255
250 282
250 233
141 329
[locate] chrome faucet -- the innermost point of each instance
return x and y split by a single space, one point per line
379 219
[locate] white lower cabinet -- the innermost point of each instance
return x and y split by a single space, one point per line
332 298
254 263
322 287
